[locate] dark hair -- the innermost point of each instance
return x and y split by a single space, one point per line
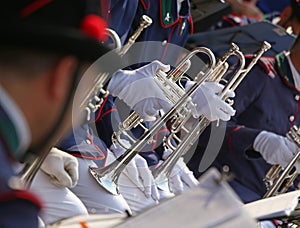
295 10
28 62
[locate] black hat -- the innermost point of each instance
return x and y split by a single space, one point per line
64 26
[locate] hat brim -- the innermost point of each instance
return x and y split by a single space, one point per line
61 40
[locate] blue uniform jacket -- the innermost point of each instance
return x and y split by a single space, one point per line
265 100
82 142
18 208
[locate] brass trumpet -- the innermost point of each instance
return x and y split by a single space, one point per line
279 179
162 172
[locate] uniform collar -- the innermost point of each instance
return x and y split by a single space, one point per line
169 14
14 130
283 68
295 74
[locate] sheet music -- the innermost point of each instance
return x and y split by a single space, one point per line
211 204
277 206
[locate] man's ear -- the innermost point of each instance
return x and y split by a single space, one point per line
61 77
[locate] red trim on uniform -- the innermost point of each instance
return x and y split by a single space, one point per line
156 137
100 109
296 114
284 79
161 20
275 222
107 112
167 45
191 24
21 195
230 138
85 157
33 7
230 21
266 65
144 4
102 155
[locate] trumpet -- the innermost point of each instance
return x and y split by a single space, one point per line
163 172
144 23
171 90
279 179
108 176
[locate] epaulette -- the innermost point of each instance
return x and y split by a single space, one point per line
267 63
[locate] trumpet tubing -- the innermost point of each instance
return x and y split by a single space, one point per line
278 179
217 74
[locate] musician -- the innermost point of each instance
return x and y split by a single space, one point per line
267 105
172 24
246 12
39 69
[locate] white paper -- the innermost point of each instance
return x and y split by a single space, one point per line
273 207
211 204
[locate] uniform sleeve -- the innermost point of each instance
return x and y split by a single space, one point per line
240 138
107 120
19 209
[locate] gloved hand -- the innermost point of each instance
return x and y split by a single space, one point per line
275 149
208 103
138 90
138 172
181 177
61 167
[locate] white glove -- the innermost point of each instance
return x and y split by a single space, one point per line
61 167
208 103
276 149
139 90
181 177
138 172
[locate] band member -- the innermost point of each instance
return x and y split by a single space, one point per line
267 105
40 65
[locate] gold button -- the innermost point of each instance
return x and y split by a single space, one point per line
291 118
297 97
88 141
164 42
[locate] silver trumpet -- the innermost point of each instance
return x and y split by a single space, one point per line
163 172
96 101
90 103
278 179
95 97
144 23
171 90
181 110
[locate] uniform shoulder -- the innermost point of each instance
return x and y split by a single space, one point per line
266 63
